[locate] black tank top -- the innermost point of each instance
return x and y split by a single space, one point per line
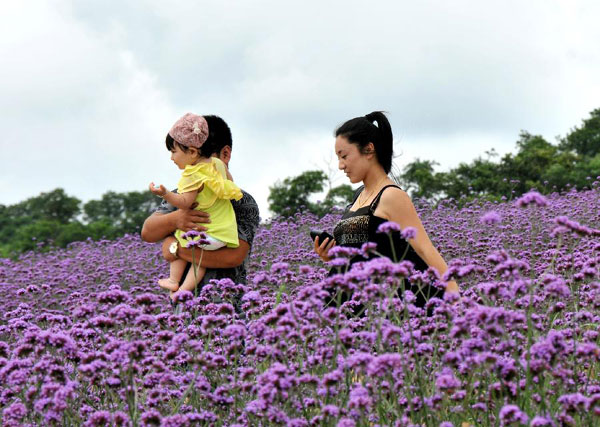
360 226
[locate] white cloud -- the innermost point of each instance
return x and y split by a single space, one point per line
92 87
78 112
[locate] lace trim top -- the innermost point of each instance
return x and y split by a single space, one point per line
360 226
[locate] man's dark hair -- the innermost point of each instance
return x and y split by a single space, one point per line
219 136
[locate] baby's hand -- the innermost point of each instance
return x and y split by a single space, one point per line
158 190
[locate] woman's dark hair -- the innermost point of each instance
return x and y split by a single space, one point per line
362 130
219 136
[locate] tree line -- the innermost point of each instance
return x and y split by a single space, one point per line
572 162
55 219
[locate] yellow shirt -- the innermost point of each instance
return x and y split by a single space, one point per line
214 199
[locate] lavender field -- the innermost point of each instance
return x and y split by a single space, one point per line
87 337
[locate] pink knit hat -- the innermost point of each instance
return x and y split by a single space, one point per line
191 130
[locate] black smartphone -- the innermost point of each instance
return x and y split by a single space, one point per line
321 234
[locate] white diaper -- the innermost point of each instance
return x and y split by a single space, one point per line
214 244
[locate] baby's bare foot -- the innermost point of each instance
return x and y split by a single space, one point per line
169 284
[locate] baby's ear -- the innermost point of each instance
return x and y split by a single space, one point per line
193 151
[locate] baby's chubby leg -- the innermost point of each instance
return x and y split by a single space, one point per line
196 273
192 279
176 269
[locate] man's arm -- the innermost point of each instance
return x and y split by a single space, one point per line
160 225
221 258
247 219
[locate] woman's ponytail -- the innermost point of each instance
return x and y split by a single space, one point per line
385 146
374 128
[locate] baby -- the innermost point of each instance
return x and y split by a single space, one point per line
205 181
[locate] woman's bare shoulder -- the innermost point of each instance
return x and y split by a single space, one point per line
394 195
395 205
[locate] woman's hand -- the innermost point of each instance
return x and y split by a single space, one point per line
160 191
323 248
452 287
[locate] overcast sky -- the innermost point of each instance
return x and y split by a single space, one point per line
89 89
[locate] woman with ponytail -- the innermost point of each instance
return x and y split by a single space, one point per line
364 147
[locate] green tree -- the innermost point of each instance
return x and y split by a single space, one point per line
137 205
339 197
294 193
102 229
480 178
8 223
585 140
54 205
535 155
36 220
50 219
125 211
30 236
110 206
419 179
71 232
536 164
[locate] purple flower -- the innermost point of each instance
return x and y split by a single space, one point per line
177 420
188 235
531 198
409 233
565 223
359 360
256 407
506 368
235 331
195 239
368 248
556 286
113 295
512 414
338 262
388 227
588 349
16 411
330 411
447 381
359 398
343 252
98 419
151 418
480 406
346 422
197 243
297 422
381 365
491 218
332 378
575 402
305 269
539 421
280 267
